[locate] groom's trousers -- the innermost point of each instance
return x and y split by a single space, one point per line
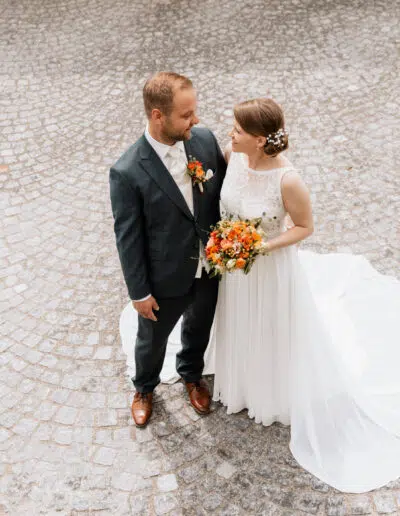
197 308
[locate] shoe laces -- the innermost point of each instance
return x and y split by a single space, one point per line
198 386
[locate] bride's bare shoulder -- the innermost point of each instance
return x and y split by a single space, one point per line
291 176
292 184
228 152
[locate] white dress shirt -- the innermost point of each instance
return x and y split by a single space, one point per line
176 162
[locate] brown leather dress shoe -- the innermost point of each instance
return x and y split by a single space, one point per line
142 406
199 396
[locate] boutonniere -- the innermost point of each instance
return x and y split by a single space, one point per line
196 171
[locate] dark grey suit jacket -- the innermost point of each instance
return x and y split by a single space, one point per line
157 236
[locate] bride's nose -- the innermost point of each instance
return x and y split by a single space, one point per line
230 134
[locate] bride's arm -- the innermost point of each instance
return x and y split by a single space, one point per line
296 200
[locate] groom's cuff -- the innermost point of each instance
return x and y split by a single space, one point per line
143 299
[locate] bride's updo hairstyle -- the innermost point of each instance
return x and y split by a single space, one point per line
264 117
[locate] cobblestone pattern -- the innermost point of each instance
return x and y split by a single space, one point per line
71 79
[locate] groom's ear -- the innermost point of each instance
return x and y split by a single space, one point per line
156 115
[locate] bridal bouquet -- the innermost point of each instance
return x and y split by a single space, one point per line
235 244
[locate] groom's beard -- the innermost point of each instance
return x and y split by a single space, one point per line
173 136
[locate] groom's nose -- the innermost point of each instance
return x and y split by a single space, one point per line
195 120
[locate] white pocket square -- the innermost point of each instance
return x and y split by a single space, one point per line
209 174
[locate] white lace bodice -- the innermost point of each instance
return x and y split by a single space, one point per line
248 193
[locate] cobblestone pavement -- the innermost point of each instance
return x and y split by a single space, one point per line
71 79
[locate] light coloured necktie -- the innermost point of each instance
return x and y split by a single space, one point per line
177 169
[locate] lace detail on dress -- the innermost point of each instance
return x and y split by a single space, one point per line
248 193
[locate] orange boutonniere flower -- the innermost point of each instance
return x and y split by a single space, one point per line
196 171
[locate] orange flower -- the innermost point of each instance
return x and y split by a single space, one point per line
210 243
240 263
226 244
196 172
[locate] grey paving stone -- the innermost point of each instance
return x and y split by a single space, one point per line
4 434
165 503
105 456
385 503
103 353
63 435
360 504
66 415
108 418
212 501
166 483
335 505
25 426
225 470
141 504
130 482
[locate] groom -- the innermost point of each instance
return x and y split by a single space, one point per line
162 220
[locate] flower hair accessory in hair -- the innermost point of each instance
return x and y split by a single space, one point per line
276 138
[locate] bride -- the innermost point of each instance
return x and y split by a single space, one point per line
306 339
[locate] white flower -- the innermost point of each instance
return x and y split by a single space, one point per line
262 247
209 174
231 264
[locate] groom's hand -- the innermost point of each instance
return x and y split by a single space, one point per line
145 308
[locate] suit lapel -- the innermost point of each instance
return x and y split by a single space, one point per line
153 165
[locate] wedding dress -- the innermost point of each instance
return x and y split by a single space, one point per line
306 339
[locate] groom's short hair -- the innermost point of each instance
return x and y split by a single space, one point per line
159 91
